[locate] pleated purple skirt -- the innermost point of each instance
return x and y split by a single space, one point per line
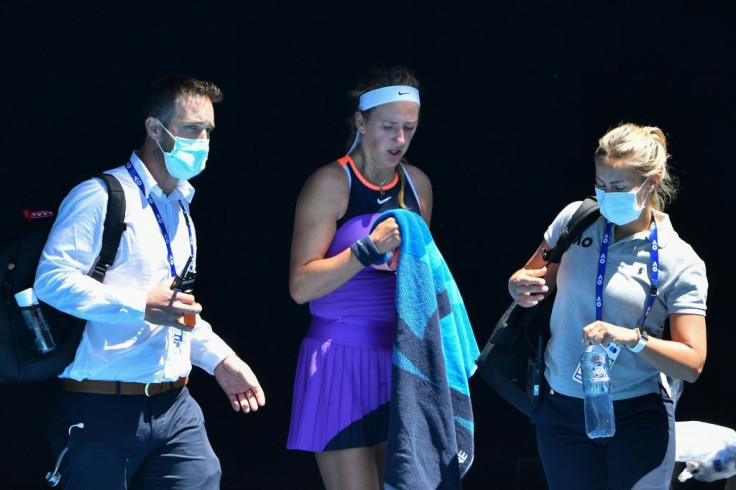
342 386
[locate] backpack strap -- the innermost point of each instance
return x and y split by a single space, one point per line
584 216
113 227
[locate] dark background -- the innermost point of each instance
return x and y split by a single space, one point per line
514 97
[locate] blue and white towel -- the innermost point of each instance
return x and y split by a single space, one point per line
430 439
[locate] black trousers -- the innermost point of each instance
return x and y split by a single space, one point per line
640 455
131 441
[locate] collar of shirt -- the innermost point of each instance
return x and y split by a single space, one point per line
184 189
665 232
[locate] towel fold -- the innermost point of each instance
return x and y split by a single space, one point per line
430 439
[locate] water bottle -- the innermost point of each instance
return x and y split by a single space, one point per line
599 420
31 311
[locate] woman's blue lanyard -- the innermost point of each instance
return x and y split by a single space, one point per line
653 259
159 219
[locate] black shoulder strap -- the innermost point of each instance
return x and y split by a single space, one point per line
113 227
584 216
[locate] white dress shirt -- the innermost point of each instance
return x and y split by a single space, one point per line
118 344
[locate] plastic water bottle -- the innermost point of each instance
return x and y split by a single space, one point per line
599 419
31 311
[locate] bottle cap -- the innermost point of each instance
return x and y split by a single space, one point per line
26 298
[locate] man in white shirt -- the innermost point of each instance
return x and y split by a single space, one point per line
125 414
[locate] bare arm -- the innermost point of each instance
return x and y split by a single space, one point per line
323 200
321 203
682 357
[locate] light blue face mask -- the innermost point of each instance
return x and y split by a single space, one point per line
620 208
187 158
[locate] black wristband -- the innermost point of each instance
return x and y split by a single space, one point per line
366 252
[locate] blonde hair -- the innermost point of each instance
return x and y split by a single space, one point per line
645 150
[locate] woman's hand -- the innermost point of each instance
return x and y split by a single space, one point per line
386 233
386 236
528 286
604 333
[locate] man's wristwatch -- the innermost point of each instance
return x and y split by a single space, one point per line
643 339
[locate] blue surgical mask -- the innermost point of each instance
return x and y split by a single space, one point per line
188 157
620 208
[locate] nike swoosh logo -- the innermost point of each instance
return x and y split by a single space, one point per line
382 201
404 93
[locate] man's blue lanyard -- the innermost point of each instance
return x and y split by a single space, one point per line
159 219
654 263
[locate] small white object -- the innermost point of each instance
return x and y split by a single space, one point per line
708 451
26 298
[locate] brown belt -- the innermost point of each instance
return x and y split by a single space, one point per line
122 387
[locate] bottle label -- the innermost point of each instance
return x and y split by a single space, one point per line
600 373
612 351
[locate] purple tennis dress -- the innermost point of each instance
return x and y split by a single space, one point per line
342 388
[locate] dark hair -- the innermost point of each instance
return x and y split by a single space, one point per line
376 78
162 95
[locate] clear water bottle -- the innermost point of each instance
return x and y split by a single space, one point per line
31 311
599 419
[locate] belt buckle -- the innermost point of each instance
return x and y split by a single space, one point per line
145 390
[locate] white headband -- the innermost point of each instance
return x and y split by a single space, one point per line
384 95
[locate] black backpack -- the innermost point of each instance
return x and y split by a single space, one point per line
512 361
19 360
